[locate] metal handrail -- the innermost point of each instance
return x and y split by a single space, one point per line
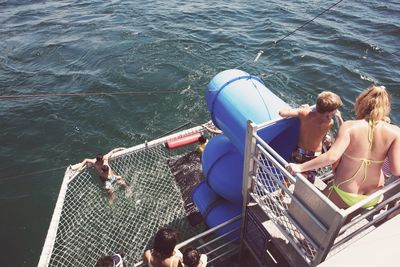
259 192
206 233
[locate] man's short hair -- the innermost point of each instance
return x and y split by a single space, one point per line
105 261
328 101
165 242
99 157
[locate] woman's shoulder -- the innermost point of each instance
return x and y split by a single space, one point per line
392 127
352 124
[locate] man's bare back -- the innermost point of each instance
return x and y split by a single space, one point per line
313 128
314 125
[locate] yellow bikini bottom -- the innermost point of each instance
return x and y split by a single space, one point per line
350 198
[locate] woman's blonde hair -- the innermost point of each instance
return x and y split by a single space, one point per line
373 103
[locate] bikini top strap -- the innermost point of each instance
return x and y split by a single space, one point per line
354 175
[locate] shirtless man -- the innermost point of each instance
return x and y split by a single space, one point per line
314 125
109 178
100 163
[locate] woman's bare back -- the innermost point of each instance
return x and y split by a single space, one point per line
359 170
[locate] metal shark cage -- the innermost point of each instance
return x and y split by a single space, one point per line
291 216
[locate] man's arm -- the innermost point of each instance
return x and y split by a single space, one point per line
108 155
289 112
85 163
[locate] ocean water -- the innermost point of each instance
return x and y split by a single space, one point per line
163 53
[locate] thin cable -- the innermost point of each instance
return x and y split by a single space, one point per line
5 97
64 167
177 128
365 40
259 53
307 22
31 173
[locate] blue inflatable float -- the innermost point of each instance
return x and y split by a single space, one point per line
233 98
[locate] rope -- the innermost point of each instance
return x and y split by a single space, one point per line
5 97
64 167
307 22
363 40
31 173
261 52
177 128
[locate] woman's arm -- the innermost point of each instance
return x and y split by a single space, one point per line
334 153
394 155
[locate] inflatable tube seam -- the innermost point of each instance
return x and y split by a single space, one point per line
249 77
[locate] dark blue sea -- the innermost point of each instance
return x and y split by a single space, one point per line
160 55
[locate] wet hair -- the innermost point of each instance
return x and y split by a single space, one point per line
105 168
165 242
105 261
99 157
328 102
373 103
191 257
202 140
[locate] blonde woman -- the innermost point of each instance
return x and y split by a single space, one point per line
361 146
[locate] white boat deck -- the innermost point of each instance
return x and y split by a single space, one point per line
378 248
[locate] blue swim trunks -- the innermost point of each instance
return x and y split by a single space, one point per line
110 181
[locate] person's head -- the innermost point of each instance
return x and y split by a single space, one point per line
111 261
105 168
373 103
165 242
99 158
328 102
191 257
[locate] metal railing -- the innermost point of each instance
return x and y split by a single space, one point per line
314 226
215 246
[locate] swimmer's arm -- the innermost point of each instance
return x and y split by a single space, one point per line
106 156
86 162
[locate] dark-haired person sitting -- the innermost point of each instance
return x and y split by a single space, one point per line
100 164
192 258
109 178
111 261
98 161
164 253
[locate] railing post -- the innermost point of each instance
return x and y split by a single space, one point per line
247 180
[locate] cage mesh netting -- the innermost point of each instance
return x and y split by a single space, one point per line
90 227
